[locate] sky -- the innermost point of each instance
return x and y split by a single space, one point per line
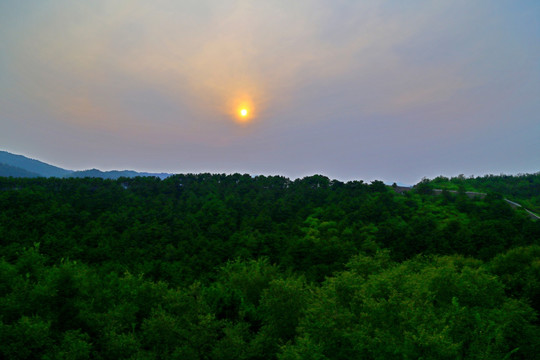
354 90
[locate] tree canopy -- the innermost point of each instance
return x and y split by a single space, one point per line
214 266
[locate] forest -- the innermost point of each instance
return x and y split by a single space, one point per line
524 188
215 266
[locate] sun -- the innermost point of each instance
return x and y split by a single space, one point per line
242 110
244 113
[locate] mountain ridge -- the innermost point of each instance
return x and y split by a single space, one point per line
14 171
31 165
15 165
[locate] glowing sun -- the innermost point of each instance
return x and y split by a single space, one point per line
244 114
242 110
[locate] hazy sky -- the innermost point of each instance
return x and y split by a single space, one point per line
390 90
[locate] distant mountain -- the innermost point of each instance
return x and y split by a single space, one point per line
13 171
31 165
21 166
114 174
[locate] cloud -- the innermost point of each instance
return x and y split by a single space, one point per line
80 59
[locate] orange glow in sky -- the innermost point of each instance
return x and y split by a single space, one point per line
243 113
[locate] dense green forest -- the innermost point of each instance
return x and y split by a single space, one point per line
238 267
524 188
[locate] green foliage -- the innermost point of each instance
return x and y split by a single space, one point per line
519 271
203 266
74 346
524 188
28 338
440 308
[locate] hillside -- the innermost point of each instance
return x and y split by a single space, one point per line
523 188
209 266
31 165
13 171
21 166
